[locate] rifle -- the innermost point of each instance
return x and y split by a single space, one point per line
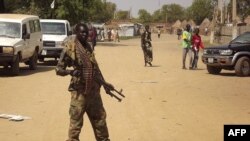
108 87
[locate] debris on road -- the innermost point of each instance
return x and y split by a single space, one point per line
14 117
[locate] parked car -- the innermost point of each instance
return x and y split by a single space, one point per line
55 32
234 56
20 41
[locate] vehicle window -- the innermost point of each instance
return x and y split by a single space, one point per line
10 29
24 31
68 28
37 26
53 28
32 26
243 38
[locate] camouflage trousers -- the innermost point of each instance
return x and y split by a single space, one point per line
93 106
148 56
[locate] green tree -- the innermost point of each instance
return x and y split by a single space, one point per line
157 16
122 15
2 6
144 16
172 12
243 8
200 9
74 11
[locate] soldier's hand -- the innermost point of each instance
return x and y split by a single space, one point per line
109 86
75 73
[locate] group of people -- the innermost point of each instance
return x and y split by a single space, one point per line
191 44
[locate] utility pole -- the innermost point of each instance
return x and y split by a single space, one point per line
234 11
214 20
220 6
234 14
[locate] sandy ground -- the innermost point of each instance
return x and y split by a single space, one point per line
163 102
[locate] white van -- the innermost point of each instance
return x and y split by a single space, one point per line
55 32
20 41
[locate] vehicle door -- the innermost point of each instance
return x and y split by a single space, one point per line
25 41
35 35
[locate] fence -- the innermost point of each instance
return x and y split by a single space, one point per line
223 34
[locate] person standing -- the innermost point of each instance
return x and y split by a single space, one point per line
84 87
187 47
196 45
109 34
159 33
179 33
147 46
94 37
206 31
117 35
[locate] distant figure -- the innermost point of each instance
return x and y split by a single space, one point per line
206 31
102 34
94 37
179 33
187 47
117 38
147 46
196 45
109 34
159 33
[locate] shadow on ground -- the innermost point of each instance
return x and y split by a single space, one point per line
25 71
110 44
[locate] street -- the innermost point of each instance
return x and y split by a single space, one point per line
162 103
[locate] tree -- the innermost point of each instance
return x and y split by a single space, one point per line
122 15
144 16
74 11
2 6
157 16
201 9
243 8
172 12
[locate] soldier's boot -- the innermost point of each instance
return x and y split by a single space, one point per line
150 64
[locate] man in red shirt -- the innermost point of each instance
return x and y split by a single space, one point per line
196 45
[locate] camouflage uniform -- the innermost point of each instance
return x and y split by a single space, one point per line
147 47
81 100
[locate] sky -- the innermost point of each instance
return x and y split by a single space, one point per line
149 5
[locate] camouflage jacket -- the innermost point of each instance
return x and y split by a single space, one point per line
69 59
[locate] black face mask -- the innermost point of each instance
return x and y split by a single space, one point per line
82 34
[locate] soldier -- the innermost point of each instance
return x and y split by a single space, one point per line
147 46
85 90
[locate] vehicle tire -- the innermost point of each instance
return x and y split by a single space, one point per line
213 70
33 61
242 66
15 69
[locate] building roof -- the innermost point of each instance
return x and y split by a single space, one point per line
177 24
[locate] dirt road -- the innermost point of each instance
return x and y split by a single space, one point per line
163 102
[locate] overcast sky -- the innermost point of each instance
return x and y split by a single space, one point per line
149 5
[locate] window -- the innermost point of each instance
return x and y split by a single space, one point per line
32 26
37 26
